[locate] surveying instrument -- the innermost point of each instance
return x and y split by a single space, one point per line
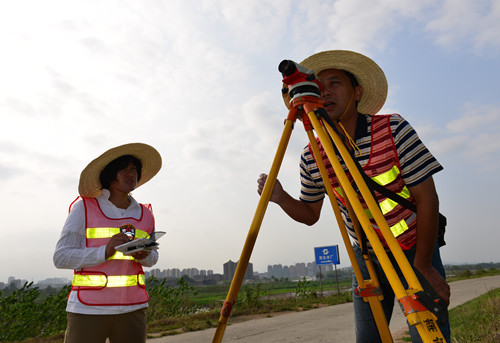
421 306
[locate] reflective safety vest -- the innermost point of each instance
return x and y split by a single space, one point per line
120 280
384 168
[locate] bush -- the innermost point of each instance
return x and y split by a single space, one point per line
166 301
303 289
250 296
23 315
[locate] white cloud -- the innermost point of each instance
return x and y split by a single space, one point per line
467 24
472 137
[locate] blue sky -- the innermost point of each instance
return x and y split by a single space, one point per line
198 80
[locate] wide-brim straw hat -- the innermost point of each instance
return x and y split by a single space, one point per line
369 75
90 184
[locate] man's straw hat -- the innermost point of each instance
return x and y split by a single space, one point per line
90 184
369 75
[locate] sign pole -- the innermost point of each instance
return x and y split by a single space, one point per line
320 280
337 279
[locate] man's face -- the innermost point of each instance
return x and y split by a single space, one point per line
126 179
336 93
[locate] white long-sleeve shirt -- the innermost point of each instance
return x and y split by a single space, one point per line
72 253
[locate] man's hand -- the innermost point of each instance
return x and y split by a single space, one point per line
437 282
277 192
116 240
303 212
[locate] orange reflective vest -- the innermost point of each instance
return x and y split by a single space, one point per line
120 280
384 168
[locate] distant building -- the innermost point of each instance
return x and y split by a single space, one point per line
230 268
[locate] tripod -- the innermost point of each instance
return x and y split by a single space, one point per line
419 308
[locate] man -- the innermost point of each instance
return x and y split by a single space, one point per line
354 89
108 296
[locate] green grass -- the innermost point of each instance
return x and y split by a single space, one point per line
478 320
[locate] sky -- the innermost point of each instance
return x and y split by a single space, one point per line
199 81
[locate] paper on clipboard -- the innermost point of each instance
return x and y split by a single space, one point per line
141 244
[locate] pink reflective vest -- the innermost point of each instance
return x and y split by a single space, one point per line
384 168
120 280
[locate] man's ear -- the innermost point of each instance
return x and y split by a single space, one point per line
358 92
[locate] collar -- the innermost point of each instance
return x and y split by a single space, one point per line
105 197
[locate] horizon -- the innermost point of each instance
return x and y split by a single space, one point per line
222 273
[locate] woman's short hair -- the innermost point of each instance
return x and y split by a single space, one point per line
109 172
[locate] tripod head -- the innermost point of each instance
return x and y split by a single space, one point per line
299 81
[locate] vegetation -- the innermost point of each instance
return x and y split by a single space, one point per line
477 321
32 315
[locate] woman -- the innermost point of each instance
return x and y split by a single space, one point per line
108 297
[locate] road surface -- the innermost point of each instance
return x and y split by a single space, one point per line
327 324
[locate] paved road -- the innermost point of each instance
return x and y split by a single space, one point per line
328 324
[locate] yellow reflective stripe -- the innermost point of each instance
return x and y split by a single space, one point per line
119 256
399 228
112 280
405 193
107 232
141 234
122 280
368 213
388 204
339 191
89 280
387 177
102 232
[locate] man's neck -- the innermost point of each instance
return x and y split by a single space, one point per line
350 122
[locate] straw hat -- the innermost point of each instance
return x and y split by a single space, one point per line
90 184
367 72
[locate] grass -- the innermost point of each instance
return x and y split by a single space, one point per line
478 320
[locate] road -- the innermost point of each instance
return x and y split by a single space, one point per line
327 324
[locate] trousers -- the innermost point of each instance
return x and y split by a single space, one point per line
119 328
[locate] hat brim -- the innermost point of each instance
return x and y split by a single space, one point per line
368 74
90 184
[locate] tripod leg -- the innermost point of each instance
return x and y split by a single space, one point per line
415 312
373 299
372 284
253 232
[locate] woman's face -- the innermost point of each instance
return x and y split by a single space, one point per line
125 180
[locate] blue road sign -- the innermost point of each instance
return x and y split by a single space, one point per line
327 255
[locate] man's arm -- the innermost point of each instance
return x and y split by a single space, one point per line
427 202
303 212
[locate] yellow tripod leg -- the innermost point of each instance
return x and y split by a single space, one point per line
424 320
252 233
382 326
374 301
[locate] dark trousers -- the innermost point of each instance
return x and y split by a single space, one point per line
119 328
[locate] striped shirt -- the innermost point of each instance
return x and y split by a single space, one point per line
416 161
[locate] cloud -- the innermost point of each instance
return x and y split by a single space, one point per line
476 117
469 24
472 137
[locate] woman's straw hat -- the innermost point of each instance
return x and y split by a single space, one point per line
90 184
369 75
